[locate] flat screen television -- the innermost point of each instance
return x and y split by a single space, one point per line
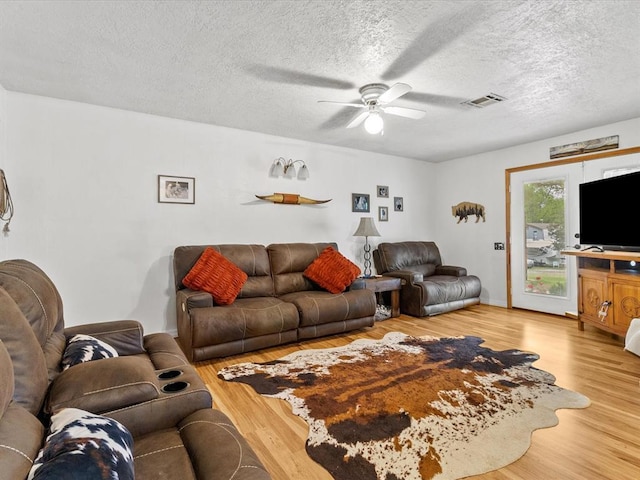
609 213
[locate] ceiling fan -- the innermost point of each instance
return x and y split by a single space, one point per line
375 99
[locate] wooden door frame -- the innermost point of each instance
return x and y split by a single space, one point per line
553 163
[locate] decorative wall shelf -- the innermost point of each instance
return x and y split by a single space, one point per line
291 199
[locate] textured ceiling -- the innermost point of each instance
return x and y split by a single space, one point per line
263 65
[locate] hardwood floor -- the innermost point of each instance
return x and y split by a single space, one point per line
599 442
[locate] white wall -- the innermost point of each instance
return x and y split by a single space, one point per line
481 179
84 184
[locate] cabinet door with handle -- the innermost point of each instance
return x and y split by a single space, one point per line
593 293
626 304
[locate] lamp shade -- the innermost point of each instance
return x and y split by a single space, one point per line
277 169
303 174
367 228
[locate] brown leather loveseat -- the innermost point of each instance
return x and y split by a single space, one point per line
428 286
276 305
148 387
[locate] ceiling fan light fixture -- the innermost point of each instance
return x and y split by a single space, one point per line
374 123
375 99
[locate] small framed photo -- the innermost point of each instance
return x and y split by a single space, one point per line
176 189
360 202
383 191
383 214
398 204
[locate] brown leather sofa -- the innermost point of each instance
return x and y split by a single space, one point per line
150 388
428 286
276 305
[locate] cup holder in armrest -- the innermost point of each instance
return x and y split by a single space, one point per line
174 387
169 374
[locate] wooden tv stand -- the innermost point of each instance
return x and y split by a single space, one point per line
608 289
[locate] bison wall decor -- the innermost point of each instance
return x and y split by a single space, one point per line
464 209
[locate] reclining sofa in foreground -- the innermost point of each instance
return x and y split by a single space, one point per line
273 299
101 398
428 286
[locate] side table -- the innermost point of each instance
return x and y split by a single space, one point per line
386 284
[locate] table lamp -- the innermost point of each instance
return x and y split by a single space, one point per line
367 229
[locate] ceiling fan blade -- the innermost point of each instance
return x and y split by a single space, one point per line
358 119
396 91
358 105
404 112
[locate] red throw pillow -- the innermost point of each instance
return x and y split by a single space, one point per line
215 274
332 271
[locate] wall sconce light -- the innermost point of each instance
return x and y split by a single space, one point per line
367 229
286 168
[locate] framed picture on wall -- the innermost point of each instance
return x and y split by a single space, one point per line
383 191
359 202
176 189
383 214
398 204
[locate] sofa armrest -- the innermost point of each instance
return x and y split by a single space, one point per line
451 270
164 351
21 437
102 385
210 430
126 336
408 277
169 406
188 299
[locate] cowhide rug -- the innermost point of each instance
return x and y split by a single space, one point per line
407 408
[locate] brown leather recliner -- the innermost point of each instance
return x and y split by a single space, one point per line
276 305
428 286
256 319
321 312
176 432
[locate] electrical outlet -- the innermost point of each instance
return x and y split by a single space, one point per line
498 246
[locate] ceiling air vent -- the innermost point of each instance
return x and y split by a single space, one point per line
485 101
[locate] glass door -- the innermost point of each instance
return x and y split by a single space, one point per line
539 278
544 221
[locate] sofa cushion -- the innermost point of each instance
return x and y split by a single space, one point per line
215 274
446 288
252 259
318 307
393 256
36 296
82 445
288 263
85 348
245 318
125 336
332 271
